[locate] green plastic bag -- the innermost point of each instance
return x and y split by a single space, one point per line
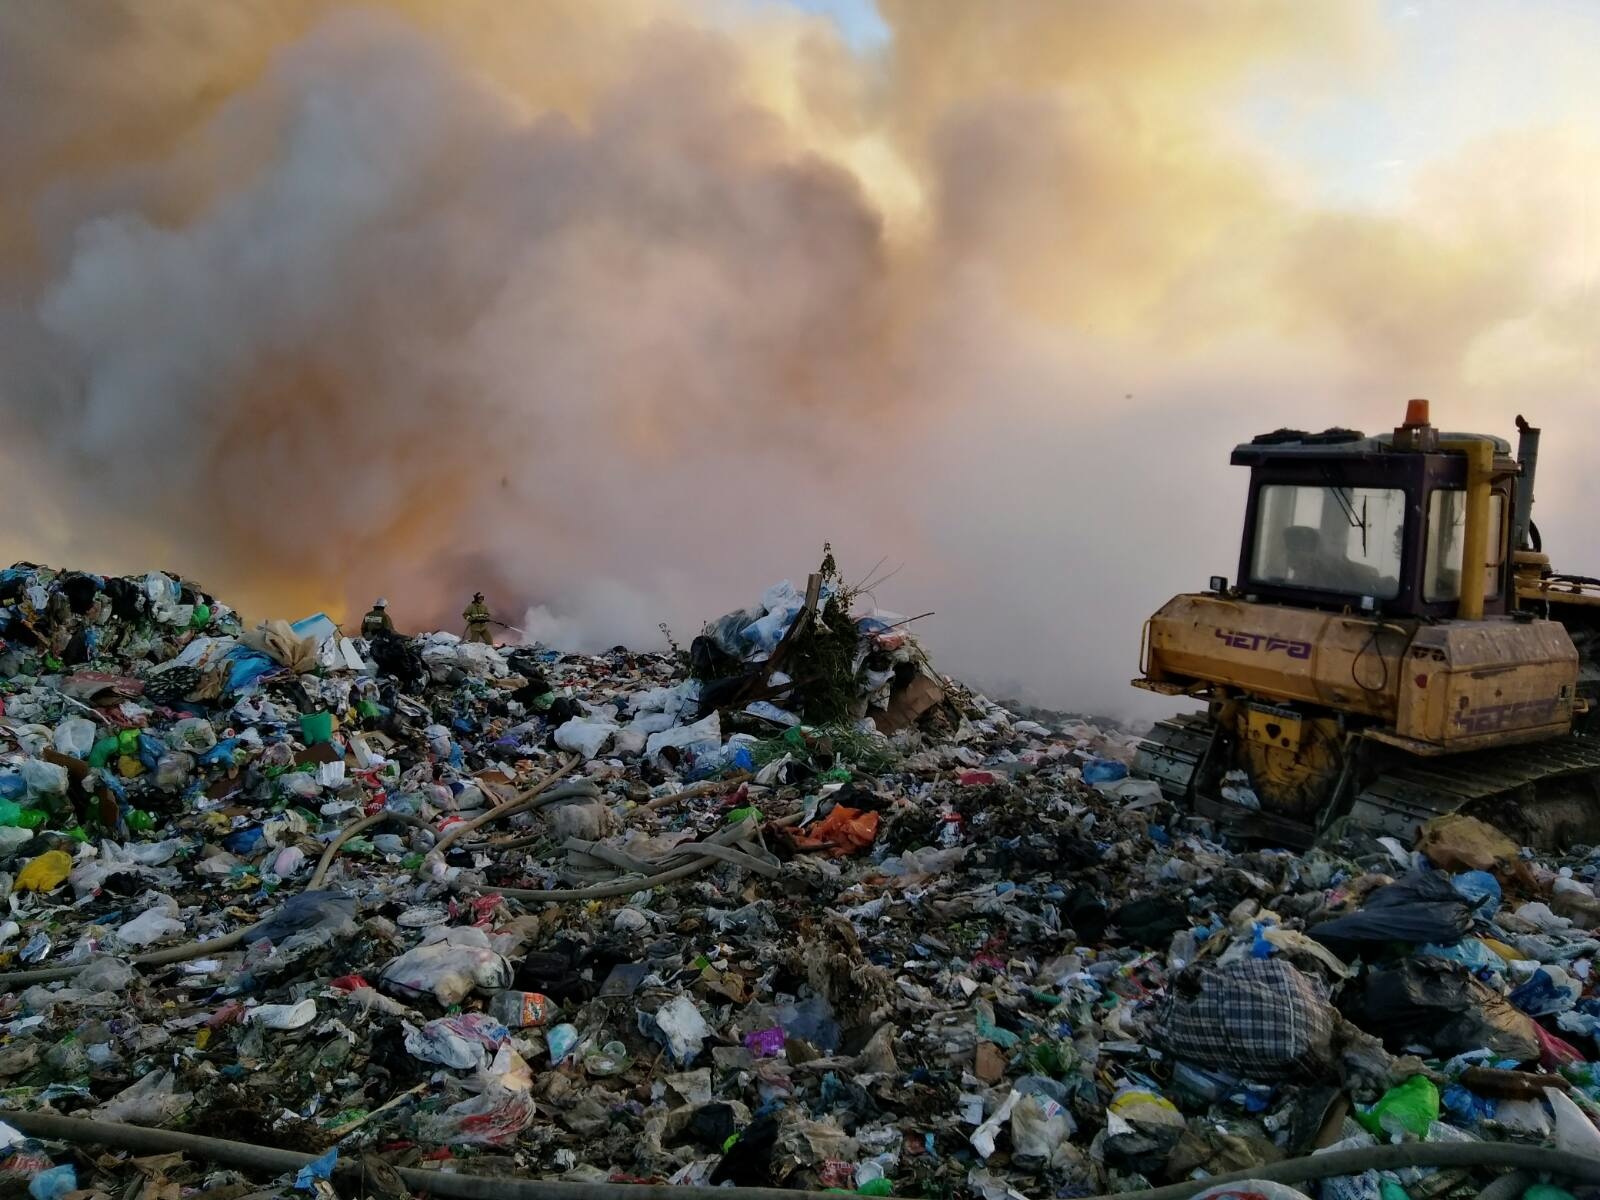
128 742
1409 1108
103 750
201 617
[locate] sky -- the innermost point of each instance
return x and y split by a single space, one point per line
619 312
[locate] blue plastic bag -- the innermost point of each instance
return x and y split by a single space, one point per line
1466 1108
305 1179
1104 770
54 1183
1480 887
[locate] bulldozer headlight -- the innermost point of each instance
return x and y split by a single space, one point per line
1219 584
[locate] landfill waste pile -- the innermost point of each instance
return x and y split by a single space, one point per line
290 912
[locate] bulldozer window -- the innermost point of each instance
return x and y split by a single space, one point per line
1447 525
1330 539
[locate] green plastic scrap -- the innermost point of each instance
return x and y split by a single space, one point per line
747 813
1546 1191
988 1031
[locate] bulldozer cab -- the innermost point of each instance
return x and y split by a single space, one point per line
1338 521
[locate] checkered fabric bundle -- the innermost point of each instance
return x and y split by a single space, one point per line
1260 1018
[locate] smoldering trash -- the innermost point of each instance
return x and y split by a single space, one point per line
785 907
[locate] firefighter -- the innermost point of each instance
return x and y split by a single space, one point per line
478 620
377 620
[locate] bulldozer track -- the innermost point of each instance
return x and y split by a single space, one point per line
1402 797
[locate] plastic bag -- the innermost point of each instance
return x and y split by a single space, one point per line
585 737
155 924
283 1016
1407 1109
1440 1005
1548 991
307 918
1250 1189
75 737
1420 908
1103 770
45 873
1482 889
493 1118
1041 1132
461 1043
449 964
679 1027
1575 1133
54 1184
105 974
44 779
153 1100
706 733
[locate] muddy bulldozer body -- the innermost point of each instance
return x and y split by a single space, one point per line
1397 647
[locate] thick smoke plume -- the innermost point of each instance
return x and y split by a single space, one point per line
617 312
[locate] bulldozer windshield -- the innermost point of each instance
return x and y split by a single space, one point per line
1346 540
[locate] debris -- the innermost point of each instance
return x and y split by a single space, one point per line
790 910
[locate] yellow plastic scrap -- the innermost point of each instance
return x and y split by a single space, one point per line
1504 951
45 873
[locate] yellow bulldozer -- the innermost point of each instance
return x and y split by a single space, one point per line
1396 647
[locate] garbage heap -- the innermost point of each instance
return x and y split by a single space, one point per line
785 909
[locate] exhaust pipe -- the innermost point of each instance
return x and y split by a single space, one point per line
1522 502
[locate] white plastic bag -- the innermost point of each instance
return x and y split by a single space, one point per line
585 737
284 1016
44 778
75 737
707 732
449 964
1575 1133
155 924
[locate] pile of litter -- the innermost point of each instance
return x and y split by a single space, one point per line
787 909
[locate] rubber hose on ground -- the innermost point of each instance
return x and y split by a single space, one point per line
51 1127
1508 1187
1581 1167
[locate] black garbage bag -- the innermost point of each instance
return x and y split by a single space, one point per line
1420 908
707 660
526 662
748 1162
1436 1003
81 590
1152 921
398 658
1086 912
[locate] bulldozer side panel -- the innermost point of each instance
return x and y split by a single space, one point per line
1468 684
1348 663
